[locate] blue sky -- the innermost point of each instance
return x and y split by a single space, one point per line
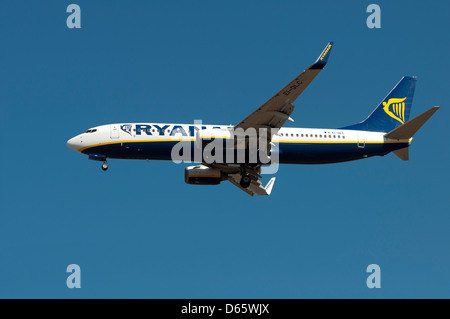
138 231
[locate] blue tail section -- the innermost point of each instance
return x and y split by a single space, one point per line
393 111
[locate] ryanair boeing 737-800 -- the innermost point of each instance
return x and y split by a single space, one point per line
387 129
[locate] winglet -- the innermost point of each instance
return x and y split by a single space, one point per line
323 58
269 186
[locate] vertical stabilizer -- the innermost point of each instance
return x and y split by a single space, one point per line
393 110
402 153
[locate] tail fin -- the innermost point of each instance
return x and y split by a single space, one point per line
393 111
402 153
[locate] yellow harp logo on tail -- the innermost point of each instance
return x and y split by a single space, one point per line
395 108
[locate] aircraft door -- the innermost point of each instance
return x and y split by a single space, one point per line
114 131
361 141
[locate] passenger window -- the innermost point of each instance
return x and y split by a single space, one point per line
334 136
320 136
339 136
316 135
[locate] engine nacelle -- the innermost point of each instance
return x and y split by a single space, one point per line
202 175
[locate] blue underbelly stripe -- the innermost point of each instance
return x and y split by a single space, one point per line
289 153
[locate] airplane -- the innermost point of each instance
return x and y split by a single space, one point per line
387 129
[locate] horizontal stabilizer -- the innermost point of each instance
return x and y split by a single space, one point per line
402 153
407 130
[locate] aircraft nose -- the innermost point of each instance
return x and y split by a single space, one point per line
74 143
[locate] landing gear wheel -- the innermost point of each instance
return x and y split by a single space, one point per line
105 166
245 181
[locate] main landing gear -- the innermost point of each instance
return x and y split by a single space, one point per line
245 178
105 166
245 181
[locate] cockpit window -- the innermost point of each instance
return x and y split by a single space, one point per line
91 130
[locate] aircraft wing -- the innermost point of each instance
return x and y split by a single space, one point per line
277 110
272 115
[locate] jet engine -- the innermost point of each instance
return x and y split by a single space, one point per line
203 175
